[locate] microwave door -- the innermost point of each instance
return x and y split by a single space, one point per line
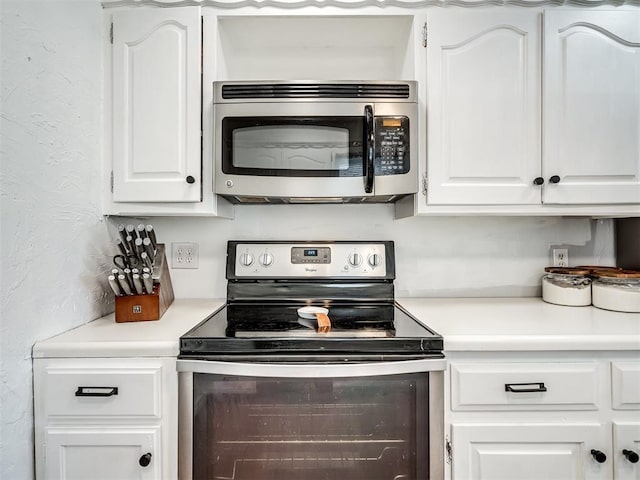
297 149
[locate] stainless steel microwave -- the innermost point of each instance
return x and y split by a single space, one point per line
315 142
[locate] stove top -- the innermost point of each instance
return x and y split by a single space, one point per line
277 328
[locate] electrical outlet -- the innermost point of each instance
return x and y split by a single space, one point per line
184 255
560 257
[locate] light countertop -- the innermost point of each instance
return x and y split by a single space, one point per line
524 324
106 338
467 324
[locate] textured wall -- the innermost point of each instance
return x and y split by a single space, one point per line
53 236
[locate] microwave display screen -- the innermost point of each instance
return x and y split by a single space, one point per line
293 146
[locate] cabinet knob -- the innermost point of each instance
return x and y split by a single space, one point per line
190 179
554 179
145 460
538 181
599 456
631 456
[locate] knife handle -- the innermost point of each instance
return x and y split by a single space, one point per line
137 284
115 286
124 284
148 283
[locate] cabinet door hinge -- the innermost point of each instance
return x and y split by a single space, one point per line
448 450
111 33
424 35
111 181
424 185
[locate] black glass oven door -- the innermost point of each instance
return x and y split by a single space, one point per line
274 428
293 146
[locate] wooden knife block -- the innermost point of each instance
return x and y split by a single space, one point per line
140 308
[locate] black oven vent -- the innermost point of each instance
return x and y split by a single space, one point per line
315 90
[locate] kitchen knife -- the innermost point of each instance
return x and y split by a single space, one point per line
123 233
148 282
128 276
131 231
115 272
151 233
148 247
141 230
137 284
130 245
139 247
124 284
121 246
146 260
115 286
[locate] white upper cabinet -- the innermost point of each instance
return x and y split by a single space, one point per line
156 105
592 106
483 107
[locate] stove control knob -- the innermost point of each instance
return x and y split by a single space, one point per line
374 260
246 259
266 259
355 259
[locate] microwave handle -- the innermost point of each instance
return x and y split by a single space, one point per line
369 149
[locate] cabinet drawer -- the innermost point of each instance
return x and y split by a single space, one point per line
524 386
103 392
625 384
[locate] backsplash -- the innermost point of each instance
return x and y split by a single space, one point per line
435 256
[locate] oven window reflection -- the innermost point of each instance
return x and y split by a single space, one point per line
361 428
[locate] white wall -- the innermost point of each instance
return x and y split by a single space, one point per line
52 234
437 256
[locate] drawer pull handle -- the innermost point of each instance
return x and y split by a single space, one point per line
631 456
525 387
599 456
145 460
96 391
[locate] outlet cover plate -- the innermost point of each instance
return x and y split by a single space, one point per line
184 255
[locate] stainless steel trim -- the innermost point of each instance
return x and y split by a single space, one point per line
436 425
185 425
311 370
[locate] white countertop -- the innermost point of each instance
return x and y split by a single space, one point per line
106 338
524 324
467 324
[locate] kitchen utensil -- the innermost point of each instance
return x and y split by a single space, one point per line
152 236
319 314
148 282
125 261
137 284
124 284
115 286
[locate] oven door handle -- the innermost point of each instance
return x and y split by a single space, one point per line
311 370
369 148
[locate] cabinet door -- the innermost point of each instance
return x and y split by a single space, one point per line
156 105
483 107
101 454
626 449
523 451
592 107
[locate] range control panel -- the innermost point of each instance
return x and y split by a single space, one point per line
311 260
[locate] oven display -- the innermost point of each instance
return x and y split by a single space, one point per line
310 255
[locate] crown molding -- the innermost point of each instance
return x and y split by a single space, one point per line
355 4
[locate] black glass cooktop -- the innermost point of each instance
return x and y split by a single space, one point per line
276 329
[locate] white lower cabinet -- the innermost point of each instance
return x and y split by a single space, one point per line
101 454
531 416
105 418
521 451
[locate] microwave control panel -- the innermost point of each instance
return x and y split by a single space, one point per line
392 146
